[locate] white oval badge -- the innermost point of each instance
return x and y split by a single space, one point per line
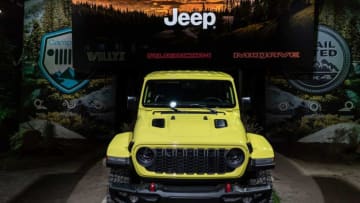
331 66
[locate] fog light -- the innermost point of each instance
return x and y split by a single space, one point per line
133 199
228 187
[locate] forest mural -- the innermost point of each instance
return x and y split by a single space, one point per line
10 52
47 114
321 110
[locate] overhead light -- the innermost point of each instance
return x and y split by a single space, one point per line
173 104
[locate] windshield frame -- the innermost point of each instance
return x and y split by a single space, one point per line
194 104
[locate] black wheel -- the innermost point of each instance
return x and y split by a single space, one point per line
260 178
118 175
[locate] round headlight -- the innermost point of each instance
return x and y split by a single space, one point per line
234 158
145 156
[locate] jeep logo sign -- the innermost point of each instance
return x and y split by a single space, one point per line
56 61
205 19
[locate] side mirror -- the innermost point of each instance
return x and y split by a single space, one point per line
245 104
132 103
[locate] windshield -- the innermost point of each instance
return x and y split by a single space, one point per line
189 93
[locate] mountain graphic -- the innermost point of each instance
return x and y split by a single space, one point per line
57 74
65 78
326 66
69 73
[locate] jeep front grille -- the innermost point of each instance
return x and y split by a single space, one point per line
190 161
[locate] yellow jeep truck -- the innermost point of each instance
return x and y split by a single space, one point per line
189 145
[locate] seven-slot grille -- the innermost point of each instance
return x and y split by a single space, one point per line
190 161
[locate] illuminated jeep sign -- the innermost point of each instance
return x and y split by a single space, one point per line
205 19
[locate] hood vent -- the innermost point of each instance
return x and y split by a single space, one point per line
158 122
220 123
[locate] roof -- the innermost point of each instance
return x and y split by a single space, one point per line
189 74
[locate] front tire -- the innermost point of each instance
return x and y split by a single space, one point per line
260 178
117 176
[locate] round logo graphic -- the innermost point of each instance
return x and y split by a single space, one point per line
331 65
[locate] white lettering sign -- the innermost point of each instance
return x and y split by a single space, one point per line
205 19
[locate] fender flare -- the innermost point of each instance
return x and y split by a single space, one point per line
119 145
262 155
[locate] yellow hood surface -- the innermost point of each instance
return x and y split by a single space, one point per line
194 128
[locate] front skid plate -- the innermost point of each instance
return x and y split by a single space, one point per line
216 194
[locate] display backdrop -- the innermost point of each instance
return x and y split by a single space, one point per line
322 107
54 94
319 106
117 34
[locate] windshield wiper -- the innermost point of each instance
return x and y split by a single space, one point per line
204 107
174 109
164 106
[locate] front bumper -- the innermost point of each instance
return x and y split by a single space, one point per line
188 194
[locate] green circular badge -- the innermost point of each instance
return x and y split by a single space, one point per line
331 66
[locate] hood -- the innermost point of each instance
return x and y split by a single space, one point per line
189 128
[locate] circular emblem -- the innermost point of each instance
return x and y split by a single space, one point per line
331 65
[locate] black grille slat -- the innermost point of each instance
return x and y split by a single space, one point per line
206 157
159 160
189 169
180 164
201 161
222 162
190 161
169 161
211 161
